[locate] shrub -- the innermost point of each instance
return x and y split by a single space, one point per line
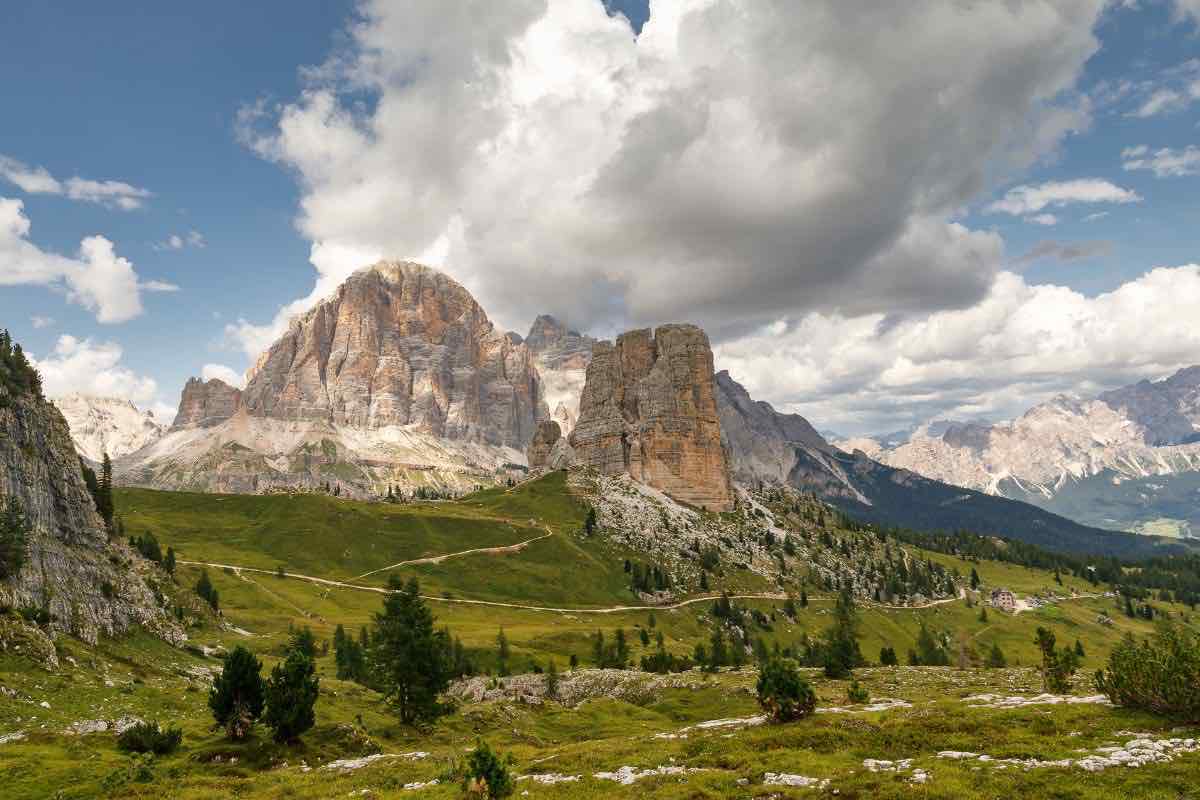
147 737
1160 674
857 693
291 693
782 693
487 774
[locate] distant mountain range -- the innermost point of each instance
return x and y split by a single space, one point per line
770 446
1128 459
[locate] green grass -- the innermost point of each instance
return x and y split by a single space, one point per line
336 539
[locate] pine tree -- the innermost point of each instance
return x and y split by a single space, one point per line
622 650
169 561
408 658
995 659
236 698
105 496
14 532
842 653
290 695
552 680
207 591
974 579
503 653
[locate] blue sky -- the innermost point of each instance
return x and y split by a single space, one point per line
150 96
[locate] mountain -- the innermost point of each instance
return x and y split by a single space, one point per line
110 425
766 445
73 577
398 378
648 409
562 357
1128 459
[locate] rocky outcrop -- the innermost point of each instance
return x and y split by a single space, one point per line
648 409
110 425
400 344
204 404
84 583
545 437
562 359
396 380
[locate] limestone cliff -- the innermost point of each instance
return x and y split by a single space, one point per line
547 435
204 404
648 408
87 585
397 379
401 344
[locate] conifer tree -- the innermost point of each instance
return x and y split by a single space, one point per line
290 696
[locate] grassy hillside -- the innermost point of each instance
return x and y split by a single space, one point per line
631 719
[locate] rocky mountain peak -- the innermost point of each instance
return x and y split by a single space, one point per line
649 409
110 425
203 404
400 343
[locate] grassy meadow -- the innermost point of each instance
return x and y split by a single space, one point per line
338 540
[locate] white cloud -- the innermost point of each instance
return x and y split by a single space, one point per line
1096 216
179 241
736 161
1043 219
98 279
158 286
1164 163
1160 101
87 367
1055 194
41 322
223 373
1022 344
1185 9
37 180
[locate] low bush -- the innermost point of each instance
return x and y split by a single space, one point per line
147 737
1160 674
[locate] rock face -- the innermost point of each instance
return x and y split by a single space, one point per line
648 409
547 435
562 357
397 379
401 344
110 425
72 571
204 404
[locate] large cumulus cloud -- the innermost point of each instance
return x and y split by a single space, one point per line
739 162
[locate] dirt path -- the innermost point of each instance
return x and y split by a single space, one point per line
237 570
508 548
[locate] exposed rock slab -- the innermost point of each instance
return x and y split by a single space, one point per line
204 404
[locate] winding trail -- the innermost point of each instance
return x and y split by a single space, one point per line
237 570
508 548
